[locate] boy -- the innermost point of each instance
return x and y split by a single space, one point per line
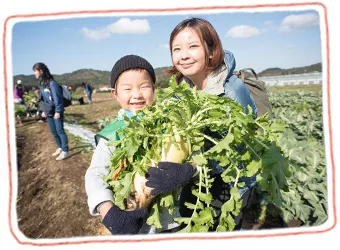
133 85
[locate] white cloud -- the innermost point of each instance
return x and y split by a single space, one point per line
165 45
95 34
127 26
122 26
268 23
298 22
243 31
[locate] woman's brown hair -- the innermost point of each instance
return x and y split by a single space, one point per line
46 75
209 38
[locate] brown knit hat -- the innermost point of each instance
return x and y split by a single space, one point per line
130 62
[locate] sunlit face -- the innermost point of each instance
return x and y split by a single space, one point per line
37 73
188 54
134 90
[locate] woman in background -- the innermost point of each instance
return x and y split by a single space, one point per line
52 107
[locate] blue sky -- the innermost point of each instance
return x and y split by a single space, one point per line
259 40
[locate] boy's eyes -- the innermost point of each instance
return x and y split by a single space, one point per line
142 87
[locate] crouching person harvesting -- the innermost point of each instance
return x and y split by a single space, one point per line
133 83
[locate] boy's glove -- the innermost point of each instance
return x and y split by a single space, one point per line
168 177
124 222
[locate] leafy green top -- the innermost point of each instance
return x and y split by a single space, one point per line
238 138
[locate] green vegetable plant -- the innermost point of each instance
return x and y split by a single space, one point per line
104 121
20 110
303 144
211 129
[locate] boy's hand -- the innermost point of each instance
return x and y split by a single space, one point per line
124 222
168 177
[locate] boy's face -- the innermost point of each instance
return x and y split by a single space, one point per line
134 90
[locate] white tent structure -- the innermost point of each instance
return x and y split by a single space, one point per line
298 79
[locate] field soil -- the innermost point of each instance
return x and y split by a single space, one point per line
51 198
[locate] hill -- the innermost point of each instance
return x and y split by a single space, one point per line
98 77
292 71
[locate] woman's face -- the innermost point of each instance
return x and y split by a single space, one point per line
37 73
188 54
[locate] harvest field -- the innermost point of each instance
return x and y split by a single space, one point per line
51 199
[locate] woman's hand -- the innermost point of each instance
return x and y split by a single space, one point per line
56 116
43 115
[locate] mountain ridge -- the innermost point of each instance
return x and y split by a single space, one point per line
100 77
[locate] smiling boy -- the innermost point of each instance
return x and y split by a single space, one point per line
133 85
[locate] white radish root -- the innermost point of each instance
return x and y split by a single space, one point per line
142 197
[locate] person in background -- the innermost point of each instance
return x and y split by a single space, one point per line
88 90
69 87
52 106
19 93
37 97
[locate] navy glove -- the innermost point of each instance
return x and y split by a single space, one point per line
168 177
124 222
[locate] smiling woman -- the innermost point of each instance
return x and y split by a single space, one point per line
198 59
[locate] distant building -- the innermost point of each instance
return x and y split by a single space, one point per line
104 88
297 79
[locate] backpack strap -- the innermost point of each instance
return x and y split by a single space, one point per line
241 73
254 83
257 89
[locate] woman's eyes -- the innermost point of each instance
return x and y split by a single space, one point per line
190 47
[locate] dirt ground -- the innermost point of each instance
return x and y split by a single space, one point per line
51 201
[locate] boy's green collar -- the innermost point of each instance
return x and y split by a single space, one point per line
123 112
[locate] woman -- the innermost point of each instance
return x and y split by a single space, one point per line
52 107
199 59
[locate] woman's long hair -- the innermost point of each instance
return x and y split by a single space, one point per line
46 75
